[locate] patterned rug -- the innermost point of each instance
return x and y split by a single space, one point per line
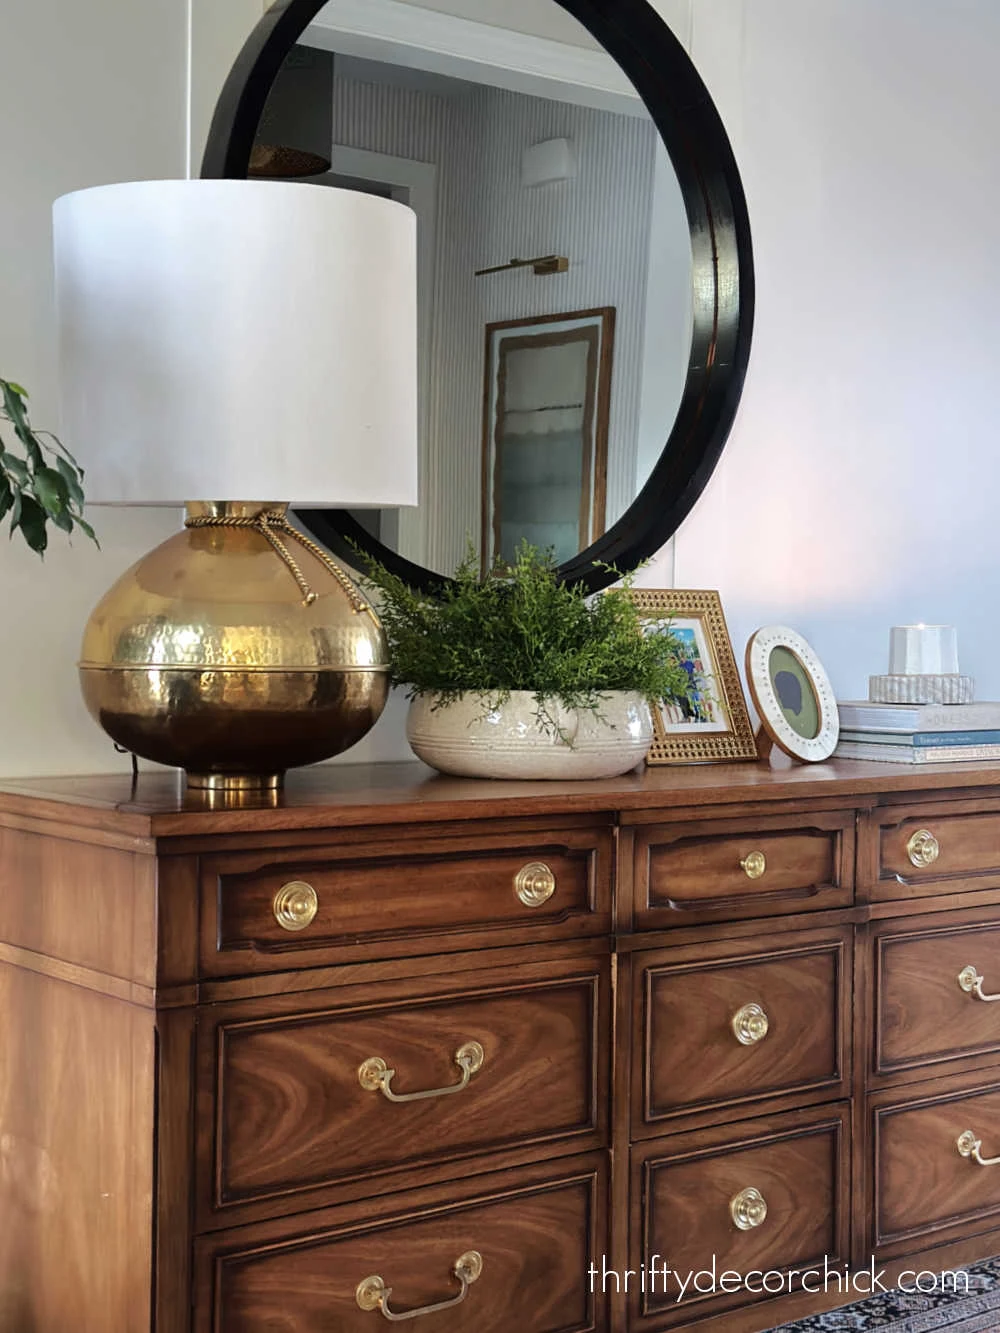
974 1311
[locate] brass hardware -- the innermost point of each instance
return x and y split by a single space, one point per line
295 905
749 1024
754 865
534 884
970 1146
542 266
203 655
972 983
748 1209
376 1076
923 848
373 1294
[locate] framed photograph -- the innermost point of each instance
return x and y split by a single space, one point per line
792 694
714 724
546 406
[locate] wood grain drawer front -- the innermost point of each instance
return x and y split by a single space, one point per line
938 995
929 850
727 1030
338 1093
925 1180
775 1200
516 1259
274 912
691 871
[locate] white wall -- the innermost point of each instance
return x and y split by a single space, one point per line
857 489
859 486
90 93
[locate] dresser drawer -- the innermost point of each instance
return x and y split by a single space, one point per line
722 1026
344 1087
510 1253
937 991
692 871
270 911
923 850
928 1182
773 1198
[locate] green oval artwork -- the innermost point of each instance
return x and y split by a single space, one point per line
794 692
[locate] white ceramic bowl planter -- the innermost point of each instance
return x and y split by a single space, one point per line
469 739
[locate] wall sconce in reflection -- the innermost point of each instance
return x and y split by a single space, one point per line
542 266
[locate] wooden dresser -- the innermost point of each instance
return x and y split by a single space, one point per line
469 1052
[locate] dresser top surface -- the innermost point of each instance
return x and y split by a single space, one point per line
351 795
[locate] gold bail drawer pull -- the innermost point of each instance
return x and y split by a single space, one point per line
970 1146
376 1076
923 849
972 983
748 1209
754 865
749 1024
373 1294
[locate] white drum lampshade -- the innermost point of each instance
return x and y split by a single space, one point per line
235 346
222 339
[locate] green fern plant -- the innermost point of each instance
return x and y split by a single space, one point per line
42 482
520 627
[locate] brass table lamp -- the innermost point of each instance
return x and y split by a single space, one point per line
223 339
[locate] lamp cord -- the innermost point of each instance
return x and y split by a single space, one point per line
269 523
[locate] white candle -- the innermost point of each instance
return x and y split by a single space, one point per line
923 650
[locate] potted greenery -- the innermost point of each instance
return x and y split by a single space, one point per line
41 484
519 675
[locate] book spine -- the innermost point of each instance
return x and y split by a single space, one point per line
912 754
920 739
924 717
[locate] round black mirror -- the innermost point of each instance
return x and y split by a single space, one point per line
720 321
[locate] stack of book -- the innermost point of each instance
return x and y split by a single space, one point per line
919 733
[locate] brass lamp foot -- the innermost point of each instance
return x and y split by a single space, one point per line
248 782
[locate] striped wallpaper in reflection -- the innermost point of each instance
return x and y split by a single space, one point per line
601 220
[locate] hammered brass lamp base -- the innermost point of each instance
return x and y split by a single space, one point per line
223 654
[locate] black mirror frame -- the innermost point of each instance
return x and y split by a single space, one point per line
638 39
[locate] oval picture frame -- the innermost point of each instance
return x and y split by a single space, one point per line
792 695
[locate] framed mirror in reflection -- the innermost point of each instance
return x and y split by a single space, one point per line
546 154
546 403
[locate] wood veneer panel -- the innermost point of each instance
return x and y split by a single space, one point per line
388 794
293 1125
691 1061
76 1158
86 905
394 896
682 1191
537 1231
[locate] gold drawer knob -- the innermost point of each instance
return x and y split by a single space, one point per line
373 1294
972 983
748 1209
535 883
754 865
295 905
970 1146
923 848
750 1024
374 1075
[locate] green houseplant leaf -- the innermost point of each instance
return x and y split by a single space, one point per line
40 484
519 627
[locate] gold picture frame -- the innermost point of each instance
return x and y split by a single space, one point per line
718 729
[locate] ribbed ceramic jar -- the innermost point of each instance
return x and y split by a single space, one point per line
469 739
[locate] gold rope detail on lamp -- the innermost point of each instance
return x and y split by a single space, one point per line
266 523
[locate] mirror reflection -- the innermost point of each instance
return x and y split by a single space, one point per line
554 257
